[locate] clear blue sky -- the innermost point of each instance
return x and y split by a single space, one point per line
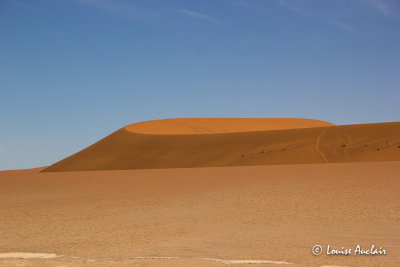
73 71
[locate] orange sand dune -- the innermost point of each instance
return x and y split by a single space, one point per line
147 146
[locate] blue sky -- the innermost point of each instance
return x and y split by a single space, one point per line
73 71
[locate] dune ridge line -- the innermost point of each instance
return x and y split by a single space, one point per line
220 125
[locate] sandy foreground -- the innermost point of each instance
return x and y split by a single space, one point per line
218 216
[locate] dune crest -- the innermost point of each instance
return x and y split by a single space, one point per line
221 125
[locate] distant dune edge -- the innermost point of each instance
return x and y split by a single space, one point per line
215 142
32 170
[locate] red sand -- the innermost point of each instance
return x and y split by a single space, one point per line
177 216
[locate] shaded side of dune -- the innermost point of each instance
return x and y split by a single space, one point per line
125 150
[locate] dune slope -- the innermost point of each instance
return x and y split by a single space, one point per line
126 149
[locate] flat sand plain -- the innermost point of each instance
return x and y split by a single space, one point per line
215 216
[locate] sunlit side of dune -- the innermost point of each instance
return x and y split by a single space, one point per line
221 125
126 149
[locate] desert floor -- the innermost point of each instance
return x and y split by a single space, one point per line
264 215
